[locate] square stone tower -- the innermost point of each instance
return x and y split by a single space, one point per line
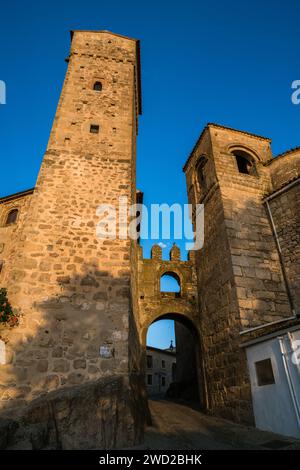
240 278
73 289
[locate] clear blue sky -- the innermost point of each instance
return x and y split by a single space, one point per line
228 62
161 333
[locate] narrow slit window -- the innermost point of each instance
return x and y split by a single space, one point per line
149 362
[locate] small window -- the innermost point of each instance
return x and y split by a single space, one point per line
163 364
149 362
1 266
264 372
94 129
97 86
12 217
174 371
163 381
149 379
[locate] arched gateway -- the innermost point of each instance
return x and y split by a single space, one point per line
182 307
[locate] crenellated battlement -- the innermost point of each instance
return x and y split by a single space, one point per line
174 254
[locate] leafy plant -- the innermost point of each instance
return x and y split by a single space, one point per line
7 315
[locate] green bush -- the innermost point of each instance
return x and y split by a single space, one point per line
7 314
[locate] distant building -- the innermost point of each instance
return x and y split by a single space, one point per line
160 369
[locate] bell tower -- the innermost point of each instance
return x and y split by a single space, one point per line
240 280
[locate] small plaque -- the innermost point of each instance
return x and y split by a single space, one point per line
106 352
2 353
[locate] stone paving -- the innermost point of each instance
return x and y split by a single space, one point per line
178 426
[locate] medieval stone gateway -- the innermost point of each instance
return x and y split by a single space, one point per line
72 371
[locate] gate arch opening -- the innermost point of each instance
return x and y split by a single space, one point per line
173 362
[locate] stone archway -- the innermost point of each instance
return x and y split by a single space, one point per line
154 305
189 383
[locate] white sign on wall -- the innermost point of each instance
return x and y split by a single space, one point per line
2 352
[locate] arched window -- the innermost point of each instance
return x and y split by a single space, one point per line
200 172
245 162
170 282
97 86
12 217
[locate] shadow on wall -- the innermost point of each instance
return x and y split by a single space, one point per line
189 376
73 376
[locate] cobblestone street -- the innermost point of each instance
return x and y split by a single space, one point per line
178 426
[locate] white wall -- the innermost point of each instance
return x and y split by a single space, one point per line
2 352
277 406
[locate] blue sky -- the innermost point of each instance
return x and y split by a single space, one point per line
161 333
225 61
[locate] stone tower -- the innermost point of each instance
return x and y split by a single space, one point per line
74 290
241 283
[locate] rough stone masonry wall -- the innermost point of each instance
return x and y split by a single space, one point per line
225 364
258 276
183 308
284 207
240 281
72 288
153 303
228 388
186 363
10 234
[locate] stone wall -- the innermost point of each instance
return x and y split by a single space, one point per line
154 304
98 415
181 307
240 278
285 207
72 288
187 368
258 276
10 234
284 169
86 303
284 203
